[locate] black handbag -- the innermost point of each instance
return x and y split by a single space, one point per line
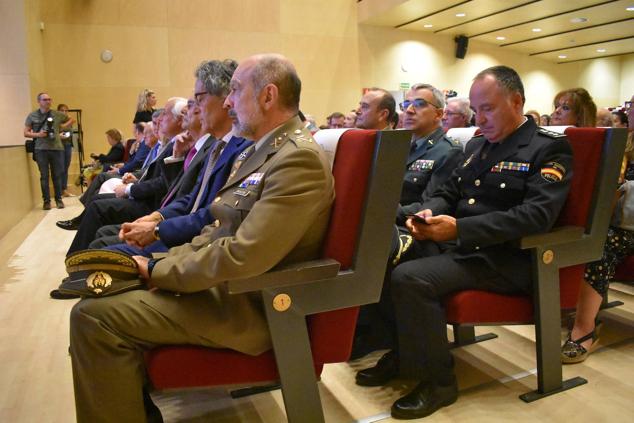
30 146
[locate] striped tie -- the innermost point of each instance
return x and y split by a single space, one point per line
213 158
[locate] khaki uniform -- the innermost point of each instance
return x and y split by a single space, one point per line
273 209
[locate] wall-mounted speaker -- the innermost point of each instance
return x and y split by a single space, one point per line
462 42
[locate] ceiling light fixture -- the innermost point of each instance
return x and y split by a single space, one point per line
427 25
601 50
500 38
460 15
537 30
562 56
578 20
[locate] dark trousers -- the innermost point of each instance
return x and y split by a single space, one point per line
53 159
418 289
106 211
68 154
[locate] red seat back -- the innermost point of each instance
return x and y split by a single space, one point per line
126 150
331 333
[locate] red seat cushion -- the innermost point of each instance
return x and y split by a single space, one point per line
625 270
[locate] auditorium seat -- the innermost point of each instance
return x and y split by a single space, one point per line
322 296
558 257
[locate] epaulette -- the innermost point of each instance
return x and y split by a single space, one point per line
298 137
550 134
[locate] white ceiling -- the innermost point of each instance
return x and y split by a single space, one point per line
541 28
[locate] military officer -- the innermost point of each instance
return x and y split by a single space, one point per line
513 183
274 208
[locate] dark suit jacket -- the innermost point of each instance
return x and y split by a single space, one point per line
510 194
136 161
180 225
186 180
115 154
153 185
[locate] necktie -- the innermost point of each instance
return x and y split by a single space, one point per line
189 158
213 158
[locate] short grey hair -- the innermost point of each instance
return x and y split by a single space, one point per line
464 106
439 98
216 75
277 70
179 103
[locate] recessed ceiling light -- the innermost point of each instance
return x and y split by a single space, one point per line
427 25
500 38
578 20
562 56
460 15
601 50
630 9
537 30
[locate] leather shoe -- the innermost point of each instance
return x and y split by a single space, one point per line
69 225
385 370
57 295
46 205
424 400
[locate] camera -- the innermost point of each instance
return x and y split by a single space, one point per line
48 128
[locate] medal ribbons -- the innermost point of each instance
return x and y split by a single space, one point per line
520 167
419 165
252 179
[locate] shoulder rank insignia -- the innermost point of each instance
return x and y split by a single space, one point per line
519 167
466 162
420 165
553 172
252 179
550 134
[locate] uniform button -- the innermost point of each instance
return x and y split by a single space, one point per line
236 203
298 131
477 182
502 185
459 178
216 199
477 248
471 201
415 179
216 223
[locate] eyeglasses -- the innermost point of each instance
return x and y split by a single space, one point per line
198 95
447 113
418 103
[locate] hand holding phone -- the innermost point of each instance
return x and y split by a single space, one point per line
416 218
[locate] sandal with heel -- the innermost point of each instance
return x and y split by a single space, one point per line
573 352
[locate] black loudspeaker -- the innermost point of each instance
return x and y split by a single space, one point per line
462 42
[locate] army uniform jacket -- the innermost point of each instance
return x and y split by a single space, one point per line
273 209
517 190
428 167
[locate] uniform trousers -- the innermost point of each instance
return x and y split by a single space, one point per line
108 337
103 212
418 289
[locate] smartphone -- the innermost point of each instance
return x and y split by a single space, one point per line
416 218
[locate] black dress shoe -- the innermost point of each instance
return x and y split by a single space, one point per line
385 370
69 225
57 295
424 400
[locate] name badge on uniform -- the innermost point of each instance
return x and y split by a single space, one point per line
252 179
517 166
242 192
419 165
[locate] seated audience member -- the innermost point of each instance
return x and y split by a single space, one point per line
139 198
350 119
599 274
457 114
619 119
574 107
513 183
102 162
604 117
544 120
137 153
185 217
376 109
396 120
535 115
336 120
284 221
145 106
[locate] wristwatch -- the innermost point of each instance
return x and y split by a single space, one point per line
156 233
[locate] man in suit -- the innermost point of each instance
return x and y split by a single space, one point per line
513 183
273 209
185 217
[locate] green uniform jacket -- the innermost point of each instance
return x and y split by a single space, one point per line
273 209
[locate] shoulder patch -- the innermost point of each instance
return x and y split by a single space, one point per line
550 134
454 143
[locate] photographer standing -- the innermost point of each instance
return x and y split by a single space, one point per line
43 125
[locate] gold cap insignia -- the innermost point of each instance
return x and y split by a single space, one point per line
98 281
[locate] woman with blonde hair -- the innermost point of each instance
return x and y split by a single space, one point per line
145 106
574 107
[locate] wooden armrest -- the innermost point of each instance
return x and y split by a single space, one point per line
287 275
560 235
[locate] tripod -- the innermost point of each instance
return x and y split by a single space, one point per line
80 145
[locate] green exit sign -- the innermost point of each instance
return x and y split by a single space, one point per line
404 85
